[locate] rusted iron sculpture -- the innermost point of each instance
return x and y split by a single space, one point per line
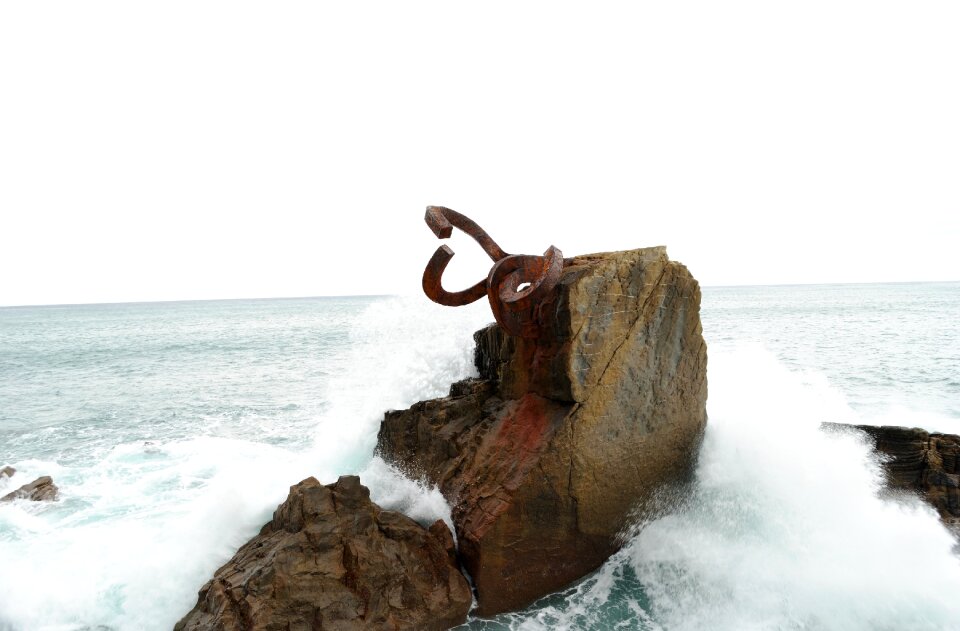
502 285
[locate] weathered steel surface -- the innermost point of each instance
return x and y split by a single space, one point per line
537 275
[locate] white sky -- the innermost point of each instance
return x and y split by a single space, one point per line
178 150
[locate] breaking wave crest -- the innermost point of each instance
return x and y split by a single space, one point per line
783 528
138 531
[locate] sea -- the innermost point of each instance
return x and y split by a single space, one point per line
174 429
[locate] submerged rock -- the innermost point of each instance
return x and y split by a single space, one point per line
920 462
332 559
546 456
7 472
40 490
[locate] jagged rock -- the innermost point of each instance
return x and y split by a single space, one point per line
40 490
547 454
7 472
332 559
919 462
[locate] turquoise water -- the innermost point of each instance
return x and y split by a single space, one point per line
174 429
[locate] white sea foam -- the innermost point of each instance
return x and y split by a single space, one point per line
392 490
783 528
138 532
135 535
398 354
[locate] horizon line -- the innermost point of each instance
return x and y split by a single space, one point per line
334 296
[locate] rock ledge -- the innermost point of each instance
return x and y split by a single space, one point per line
921 462
40 490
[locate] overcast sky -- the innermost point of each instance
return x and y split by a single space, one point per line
180 150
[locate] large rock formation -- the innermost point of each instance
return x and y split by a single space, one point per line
920 462
40 490
547 454
331 559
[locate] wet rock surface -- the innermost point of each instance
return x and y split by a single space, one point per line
332 559
921 462
40 490
7 472
545 456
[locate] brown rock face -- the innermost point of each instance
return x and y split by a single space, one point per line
920 462
40 490
332 559
7 472
545 456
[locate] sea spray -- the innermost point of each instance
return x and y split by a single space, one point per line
393 490
398 354
782 528
135 535
141 528
174 430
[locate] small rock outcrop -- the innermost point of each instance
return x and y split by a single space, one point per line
332 559
7 472
919 462
40 490
546 456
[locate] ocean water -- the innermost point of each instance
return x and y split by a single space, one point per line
174 429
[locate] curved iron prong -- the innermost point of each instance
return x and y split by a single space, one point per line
506 299
434 290
514 308
441 220
541 272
